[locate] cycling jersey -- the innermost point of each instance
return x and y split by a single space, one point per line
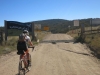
27 38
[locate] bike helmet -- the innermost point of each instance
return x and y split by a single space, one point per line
26 32
22 36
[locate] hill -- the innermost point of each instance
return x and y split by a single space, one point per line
61 25
55 25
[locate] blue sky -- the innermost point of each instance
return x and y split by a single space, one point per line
34 10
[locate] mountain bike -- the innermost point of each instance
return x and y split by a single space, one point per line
23 63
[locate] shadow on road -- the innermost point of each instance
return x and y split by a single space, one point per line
17 74
77 52
56 41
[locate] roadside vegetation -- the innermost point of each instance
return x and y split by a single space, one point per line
92 41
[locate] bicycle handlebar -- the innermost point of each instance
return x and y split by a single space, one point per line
32 48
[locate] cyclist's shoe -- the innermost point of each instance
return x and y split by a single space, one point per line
29 69
26 69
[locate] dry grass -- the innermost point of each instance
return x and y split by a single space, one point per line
41 35
73 34
93 40
8 46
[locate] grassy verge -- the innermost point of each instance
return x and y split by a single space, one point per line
11 44
92 41
40 35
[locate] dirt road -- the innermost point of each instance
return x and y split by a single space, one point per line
61 58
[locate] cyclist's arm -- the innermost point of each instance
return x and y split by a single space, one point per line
31 43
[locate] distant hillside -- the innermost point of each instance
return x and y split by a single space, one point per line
56 25
61 25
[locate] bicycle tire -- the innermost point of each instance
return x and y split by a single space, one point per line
21 68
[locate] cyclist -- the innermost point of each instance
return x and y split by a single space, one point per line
22 45
28 41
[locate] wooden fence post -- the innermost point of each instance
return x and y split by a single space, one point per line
33 34
6 31
1 37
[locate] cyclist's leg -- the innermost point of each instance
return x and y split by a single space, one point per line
25 62
27 52
21 56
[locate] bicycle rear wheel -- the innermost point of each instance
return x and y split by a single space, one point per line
21 68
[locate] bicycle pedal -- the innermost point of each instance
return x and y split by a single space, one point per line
23 69
29 69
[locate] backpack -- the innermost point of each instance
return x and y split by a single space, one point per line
21 44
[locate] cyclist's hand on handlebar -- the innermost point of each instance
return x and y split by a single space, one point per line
31 47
